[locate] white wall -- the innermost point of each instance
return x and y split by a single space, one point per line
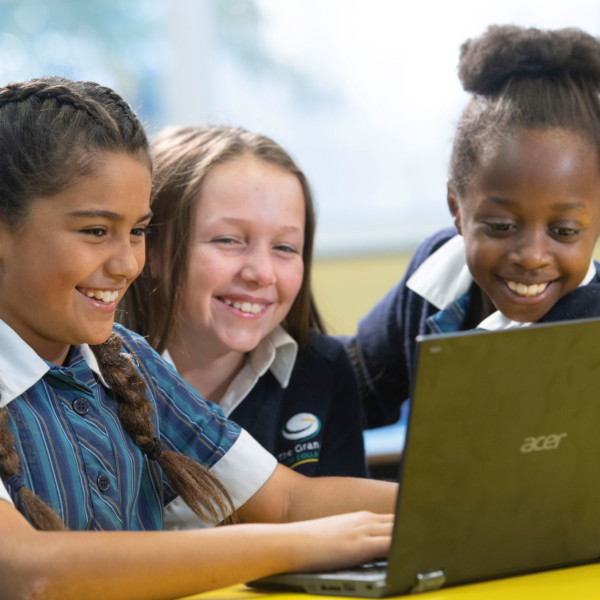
363 93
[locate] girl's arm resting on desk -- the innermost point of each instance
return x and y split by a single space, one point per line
126 565
289 496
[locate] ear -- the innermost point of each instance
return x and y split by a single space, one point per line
454 206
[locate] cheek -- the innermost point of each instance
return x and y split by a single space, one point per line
204 276
576 262
483 263
290 282
482 253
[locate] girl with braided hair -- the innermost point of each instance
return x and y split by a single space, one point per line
524 193
97 432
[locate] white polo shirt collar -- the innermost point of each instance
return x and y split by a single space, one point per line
21 367
444 277
276 352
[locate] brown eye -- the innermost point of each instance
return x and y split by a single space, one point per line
95 231
566 232
499 227
141 231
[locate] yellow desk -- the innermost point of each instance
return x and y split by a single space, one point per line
577 583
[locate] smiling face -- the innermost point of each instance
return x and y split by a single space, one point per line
530 217
69 262
245 267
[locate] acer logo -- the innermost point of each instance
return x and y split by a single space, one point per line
543 442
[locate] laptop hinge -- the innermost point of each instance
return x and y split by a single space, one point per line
429 580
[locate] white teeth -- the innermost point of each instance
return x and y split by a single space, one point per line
246 307
526 290
103 296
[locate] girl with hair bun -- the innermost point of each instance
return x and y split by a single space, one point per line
524 194
97 432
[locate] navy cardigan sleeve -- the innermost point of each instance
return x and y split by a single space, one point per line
383 350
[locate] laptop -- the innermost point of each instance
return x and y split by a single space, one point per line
501 468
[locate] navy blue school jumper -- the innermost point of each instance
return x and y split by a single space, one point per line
383 351
314 425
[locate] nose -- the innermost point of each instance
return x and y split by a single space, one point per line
126 260
531 250
258 267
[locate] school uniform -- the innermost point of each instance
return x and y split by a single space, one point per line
76 456
433 297
301 404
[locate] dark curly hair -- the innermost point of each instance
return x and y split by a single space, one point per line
524 78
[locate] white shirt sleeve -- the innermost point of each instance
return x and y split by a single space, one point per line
4 495
243 470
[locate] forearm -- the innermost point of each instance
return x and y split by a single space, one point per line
288 496
170 564
99 565
136 565
322 496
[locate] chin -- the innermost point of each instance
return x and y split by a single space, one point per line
98 338
244 346
520 317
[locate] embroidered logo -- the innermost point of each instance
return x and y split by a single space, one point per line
302 426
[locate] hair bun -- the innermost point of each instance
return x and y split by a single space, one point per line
504 51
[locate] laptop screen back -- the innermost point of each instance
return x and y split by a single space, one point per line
501 471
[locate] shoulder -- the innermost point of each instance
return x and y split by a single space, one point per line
582 303
179 408
130 338
323 357
439 238
424 250
325 347
134 343
430 245
401 303
149 362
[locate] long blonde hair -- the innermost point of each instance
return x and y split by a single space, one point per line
182 158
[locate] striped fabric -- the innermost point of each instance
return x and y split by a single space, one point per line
451 318
76 456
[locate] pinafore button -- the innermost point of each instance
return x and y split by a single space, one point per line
103 483
81 406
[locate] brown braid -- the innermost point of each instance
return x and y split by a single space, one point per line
198 487
40 92
39 513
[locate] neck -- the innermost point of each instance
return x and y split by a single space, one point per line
210 374
54 352
480 307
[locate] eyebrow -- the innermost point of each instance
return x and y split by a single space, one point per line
560 205
104 214
236 221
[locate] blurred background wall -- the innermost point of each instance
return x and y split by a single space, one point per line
363 94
